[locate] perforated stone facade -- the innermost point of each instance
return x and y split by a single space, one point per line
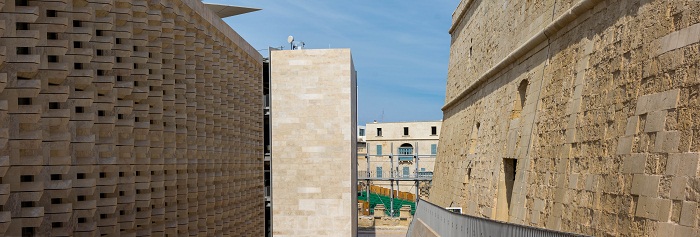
579 116
127 118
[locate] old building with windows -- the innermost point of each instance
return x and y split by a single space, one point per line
128 118
578 116
400 150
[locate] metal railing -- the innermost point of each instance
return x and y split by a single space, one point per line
432 220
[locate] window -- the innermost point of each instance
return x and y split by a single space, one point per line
21 2
120 116
52 35
22 26
118 40
52 58
27 204
99 32
26 178
103 175
103 195
120 78
78 66
54 105
100 52
136 48
100 72
81 198
81 175
379 150
121 174
405 152
28 231
79 109
379 132
405 131
51 13
24 101
379 172
101 113
56 201
362 132
77 44
433 130
433 149
77 23
23 51
55 176
406 171
507 179
56 224
119 59
82 220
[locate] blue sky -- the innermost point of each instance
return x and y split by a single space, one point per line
400 48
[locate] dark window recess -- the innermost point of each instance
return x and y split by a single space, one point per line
405 131
82 220
118 40
26 178
101 113
21 2
27 204
78 66
78 89
77 44
150 55
52 35
138 173
379 132
136 48
99 32
52 58
23 51
56 224
121 174
54 105
79 109
136 83
103 175
100 72
136 66
55 176
23 78
137 119
121 193
100 52
103 195
22 26
103 216
120 78
120 116
119 59
82 198
81 175
56 201
51 13
433 130
28 231
77 23
24 101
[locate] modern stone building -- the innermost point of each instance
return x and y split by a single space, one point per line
313 119
127 118
579 116
410 146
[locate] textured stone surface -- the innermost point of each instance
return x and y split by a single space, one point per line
128 118
314 137
604 139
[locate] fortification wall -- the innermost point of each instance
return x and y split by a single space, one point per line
126 118
574 116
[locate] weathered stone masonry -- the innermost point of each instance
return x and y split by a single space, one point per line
127 118
584 113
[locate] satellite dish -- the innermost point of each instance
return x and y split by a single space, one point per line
290 39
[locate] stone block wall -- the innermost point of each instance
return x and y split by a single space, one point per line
127 118
604 139
314 139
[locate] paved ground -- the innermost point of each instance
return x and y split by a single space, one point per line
383 232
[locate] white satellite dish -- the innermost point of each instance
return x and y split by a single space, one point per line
290 39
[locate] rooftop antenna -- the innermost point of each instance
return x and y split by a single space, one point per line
290 40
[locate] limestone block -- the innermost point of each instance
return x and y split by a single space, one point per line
634 164
678 185
658 101
689 213
683 164
655 121
632 126
624 145
667 141
645 185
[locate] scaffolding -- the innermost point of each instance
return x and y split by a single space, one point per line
394 176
